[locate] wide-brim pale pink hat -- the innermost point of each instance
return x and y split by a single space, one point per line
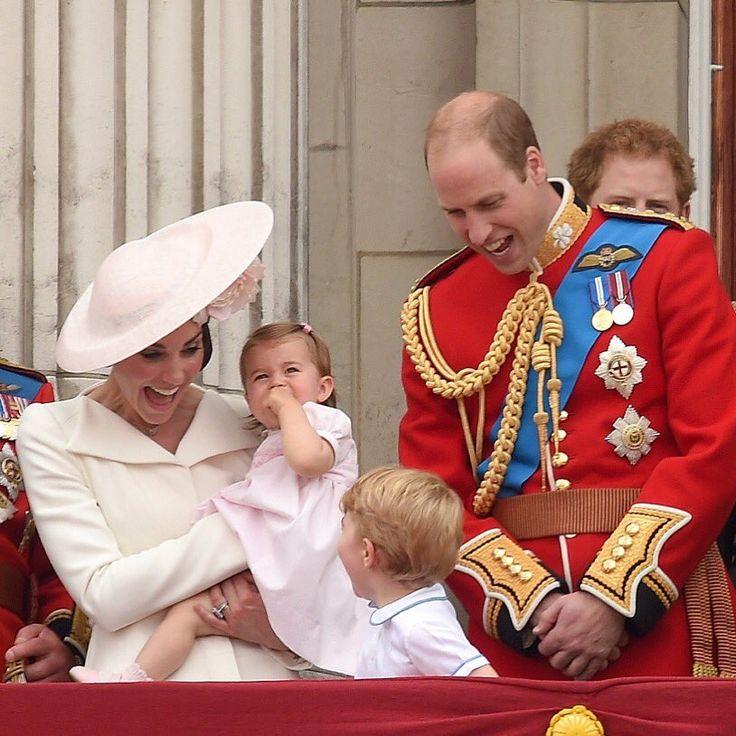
147 288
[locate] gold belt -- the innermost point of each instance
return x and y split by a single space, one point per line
575 511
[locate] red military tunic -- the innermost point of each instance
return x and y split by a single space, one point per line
30 591
685 329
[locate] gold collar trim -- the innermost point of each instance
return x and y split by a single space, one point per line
566 226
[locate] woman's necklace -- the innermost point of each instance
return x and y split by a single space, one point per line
151 429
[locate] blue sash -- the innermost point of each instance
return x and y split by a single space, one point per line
572 301
27 386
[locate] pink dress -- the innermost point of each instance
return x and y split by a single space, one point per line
289 526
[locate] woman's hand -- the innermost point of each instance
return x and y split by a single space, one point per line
245 616
51 657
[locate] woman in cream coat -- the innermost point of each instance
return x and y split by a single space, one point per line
114 475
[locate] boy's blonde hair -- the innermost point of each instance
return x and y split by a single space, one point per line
414 519
278 331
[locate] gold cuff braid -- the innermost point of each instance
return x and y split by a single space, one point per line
506 573
80 633
630 556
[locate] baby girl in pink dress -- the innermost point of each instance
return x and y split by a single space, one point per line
286 514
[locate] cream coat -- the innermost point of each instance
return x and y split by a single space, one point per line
114 511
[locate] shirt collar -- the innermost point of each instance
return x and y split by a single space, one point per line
424 595
566 225
215 429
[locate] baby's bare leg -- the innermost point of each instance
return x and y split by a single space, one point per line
173 639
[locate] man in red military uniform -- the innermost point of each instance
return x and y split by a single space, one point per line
641 164
570 374
36 612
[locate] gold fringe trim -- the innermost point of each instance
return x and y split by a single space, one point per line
711 619
14 672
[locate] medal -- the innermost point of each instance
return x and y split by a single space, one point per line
623 312
632 436
602 318
621 367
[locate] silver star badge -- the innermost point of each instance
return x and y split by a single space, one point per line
562 235
632 436
620 367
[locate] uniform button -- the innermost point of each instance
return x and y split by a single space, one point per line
563 415
625 540
562 484
515 569
506 561
499 553
561 434
617 553
632 528
525 576
560 459
609 565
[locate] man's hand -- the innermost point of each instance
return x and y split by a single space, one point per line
50 659
542 620
245 616
580 634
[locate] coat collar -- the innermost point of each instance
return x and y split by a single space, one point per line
567 225
216 428
423 595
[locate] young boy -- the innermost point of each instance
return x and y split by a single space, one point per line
400 536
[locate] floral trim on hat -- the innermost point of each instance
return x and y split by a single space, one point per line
237 296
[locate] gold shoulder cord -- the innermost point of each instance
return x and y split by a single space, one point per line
530 305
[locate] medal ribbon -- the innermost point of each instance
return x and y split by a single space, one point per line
580 336
599 292
621 286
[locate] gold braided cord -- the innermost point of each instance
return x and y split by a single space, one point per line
481 421
529 306
541 363
427 334
428 360
552 334
503 447
473 452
